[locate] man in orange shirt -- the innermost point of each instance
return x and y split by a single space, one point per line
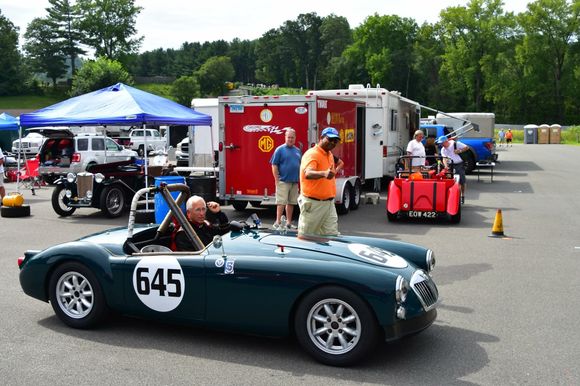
318 188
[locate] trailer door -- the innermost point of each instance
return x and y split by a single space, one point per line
374 135
251 134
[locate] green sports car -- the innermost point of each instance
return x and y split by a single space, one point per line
339 296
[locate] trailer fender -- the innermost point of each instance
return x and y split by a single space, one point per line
341 184
393 198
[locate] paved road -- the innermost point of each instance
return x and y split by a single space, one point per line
509 314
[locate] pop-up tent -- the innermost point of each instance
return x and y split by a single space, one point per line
8 122
119 105
115 105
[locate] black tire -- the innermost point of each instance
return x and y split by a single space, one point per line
356 195
60 202
76 296
468 161
15 211
239 205
392 217
112 201
256 204
344 207
456 219
359 335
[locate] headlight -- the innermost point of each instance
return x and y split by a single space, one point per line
430 260
89 194
68 193
99 178
401 289
70 177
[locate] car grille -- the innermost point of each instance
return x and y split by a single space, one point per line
84 184
185 148
425 289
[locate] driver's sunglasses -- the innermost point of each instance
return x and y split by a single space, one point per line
334 140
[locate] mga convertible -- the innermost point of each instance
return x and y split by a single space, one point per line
339 296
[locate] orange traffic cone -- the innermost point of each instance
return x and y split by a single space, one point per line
497 229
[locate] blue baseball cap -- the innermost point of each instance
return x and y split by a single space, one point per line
330 132
441 139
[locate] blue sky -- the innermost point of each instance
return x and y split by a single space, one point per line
169 23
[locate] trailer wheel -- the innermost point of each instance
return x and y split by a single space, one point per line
239 205
355 197
256 204
344 207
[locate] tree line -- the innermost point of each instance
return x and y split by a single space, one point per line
478 57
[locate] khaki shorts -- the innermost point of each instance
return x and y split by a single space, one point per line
1 179
317 217
286 193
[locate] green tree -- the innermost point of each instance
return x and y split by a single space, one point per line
473 35
383 51
109 25
44 50
213 74
184 89
242 53
63 20
551 34
97 74
11 75
335 36
273 63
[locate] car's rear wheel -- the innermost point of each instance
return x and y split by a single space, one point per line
392 217
336 326
76 296
455 219
60 202
112 201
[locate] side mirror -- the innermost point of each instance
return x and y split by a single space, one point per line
217 241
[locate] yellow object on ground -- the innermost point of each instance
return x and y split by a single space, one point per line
13 199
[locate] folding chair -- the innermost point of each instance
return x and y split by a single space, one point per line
29 177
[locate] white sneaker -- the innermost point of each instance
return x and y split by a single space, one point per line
276 226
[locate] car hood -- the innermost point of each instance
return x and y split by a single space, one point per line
338 248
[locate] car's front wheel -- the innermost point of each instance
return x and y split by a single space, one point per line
336 326
112 201
60 202
76 296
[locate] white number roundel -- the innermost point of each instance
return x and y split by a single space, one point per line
159 282
378 256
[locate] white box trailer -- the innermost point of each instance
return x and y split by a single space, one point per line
389 120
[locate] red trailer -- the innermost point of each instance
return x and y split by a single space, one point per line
252 127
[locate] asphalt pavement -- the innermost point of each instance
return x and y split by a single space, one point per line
509 312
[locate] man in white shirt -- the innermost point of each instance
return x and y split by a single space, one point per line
416 149
451 150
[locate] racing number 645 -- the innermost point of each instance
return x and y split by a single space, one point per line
161 280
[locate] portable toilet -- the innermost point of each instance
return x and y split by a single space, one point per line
544 133
530 134
555 133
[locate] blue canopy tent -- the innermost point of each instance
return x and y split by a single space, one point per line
115 105
119 105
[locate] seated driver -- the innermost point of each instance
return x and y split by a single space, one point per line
196 209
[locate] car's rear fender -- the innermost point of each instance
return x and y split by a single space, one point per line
393 198
36 272
453 198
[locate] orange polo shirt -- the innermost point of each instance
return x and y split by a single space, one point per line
318 159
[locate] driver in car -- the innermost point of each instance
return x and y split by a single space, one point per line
216 223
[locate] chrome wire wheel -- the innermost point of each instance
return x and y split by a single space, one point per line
74 295
334 326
